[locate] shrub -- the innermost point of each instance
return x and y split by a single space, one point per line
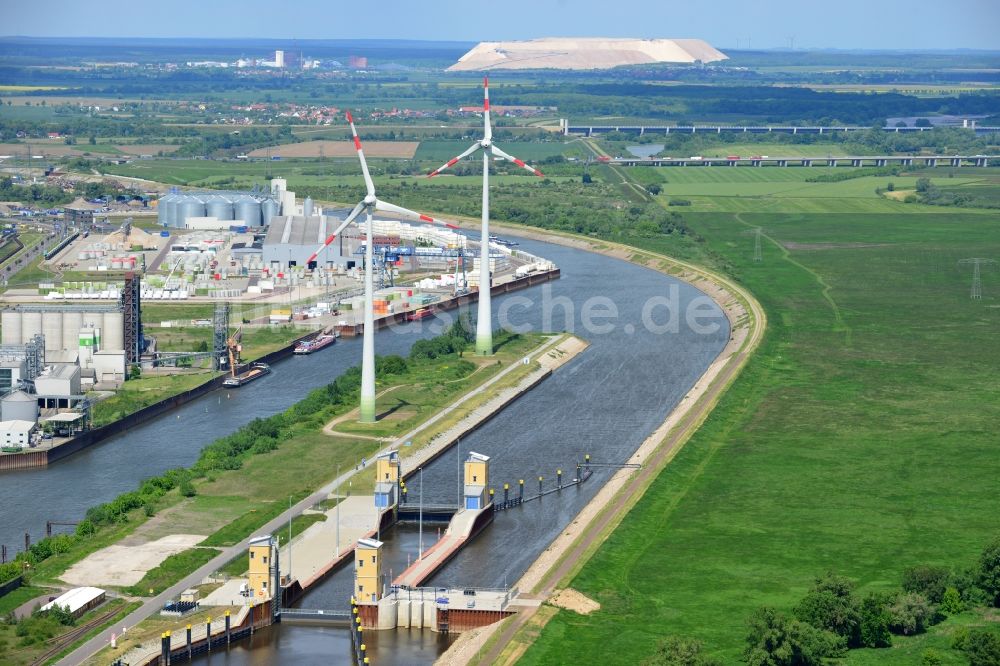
831 605
982 648
927 580
679 202
989 571
910 614
951 602
679 651
775 640
874 622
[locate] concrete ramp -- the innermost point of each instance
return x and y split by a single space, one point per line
463 526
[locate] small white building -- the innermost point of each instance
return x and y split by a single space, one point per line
109 366
16 433
79 600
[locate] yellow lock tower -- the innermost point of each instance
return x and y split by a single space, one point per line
386 479
368 571
477 479
262 567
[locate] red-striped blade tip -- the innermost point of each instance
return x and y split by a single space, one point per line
426 218
433 173
312 258
357 142
486 82
350 118
539 173
451 226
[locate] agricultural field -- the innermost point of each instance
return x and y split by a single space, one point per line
859 440
324 148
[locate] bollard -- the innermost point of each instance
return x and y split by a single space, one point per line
520 490
208 632
539 486
506 492
189 641
364 648
404 495
163 648
491 494
586 461
559 479
227 627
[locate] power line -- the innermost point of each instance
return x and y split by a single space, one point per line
976 292
758 255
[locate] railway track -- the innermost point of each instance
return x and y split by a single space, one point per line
67 639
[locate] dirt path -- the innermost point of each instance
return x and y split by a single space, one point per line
582 537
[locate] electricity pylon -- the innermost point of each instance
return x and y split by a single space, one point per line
977 281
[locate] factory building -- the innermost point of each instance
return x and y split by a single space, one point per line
78 329
61 325
292 239
58 384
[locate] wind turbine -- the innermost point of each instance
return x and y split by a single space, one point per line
484 318
369 204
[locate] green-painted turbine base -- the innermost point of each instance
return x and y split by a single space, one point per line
367 410
484 345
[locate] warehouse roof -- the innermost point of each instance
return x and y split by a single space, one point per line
19 396
64 417
300 230
75 599
60 371
17 426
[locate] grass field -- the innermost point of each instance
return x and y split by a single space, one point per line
860 439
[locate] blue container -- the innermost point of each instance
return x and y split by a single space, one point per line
165 234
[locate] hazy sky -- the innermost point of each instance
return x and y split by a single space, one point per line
867 24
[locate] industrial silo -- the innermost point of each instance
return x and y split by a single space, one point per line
19 406
192 205
113 331
248 210
52 329
11 323
166 210
31 324
270 208
72 323
219 206
307 207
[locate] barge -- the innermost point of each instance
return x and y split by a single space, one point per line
315 344
255 371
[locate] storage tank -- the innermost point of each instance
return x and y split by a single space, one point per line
72 323
19 406
307 207
166 210
31 324
247 209
113 331
10 321
191 206
52 329
270 208
219 206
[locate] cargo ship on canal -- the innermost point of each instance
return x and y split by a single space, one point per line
315 344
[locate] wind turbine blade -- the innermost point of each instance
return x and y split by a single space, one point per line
329 239
450 163
399 210
361 155
510 158
487 128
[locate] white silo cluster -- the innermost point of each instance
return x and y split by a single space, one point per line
216 209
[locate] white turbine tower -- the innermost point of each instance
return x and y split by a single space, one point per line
369 204
484 318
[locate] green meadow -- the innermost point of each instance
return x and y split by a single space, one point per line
860 439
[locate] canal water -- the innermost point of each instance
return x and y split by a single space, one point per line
605 403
